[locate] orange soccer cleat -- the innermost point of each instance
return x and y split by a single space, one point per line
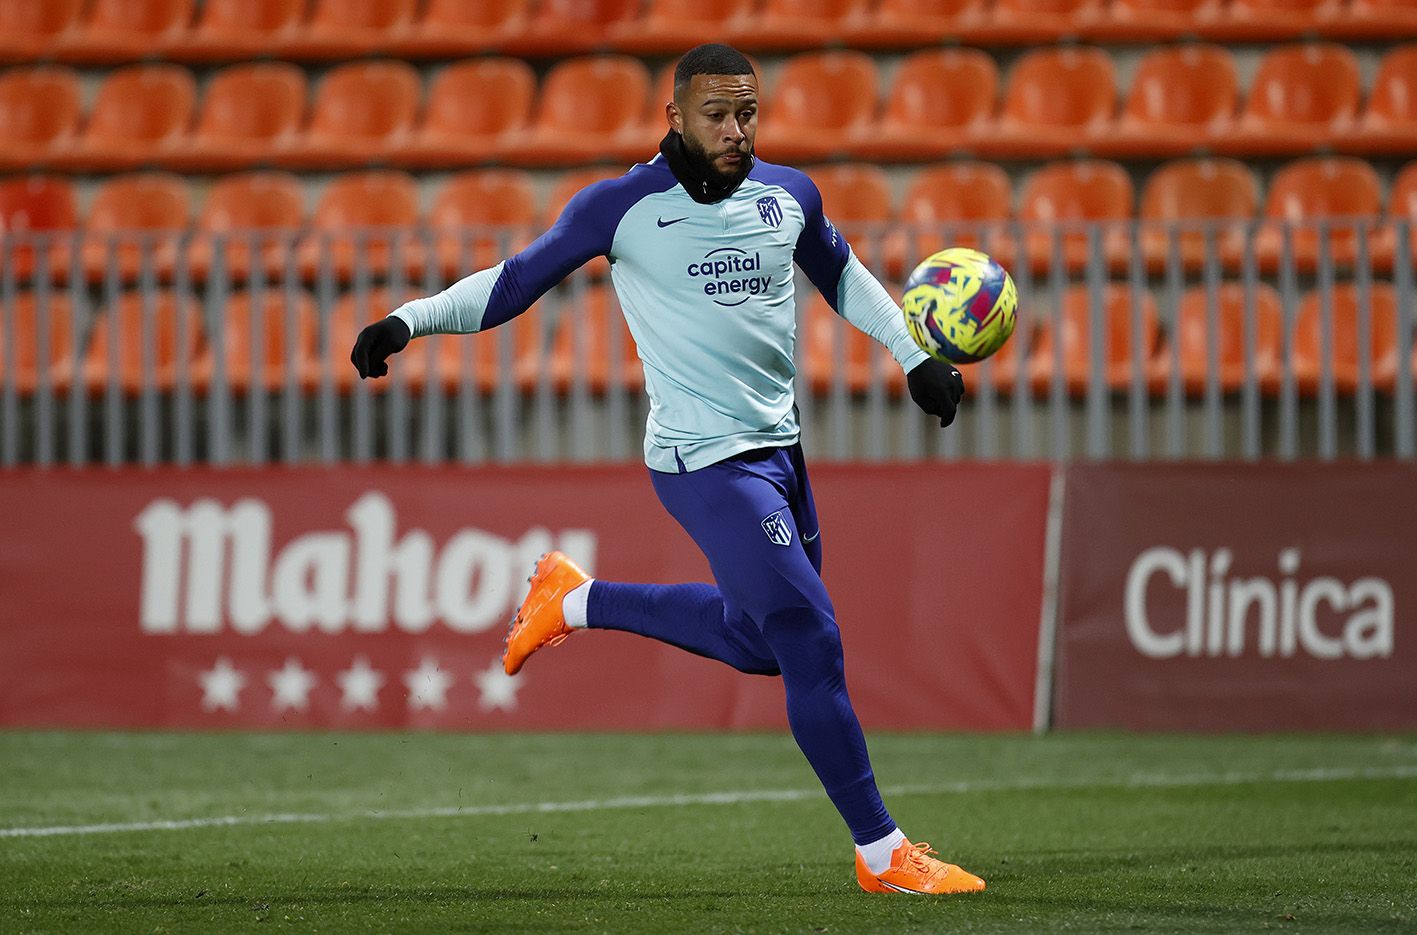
540 622
913 870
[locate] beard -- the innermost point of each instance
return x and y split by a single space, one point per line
702 164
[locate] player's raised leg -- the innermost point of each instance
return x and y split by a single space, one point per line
690 616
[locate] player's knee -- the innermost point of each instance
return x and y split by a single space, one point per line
807 643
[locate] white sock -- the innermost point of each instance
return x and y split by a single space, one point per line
877 854
574 603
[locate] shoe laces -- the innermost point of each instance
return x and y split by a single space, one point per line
918 859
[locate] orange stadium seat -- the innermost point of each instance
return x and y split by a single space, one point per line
1029 22
123 323
860 355
798 24
1374 19
480 218
140 116
38 205
350 314
453 353
1117 307
961 204
358 221
1058 198
671 26
473 109
134 217
580 343
1401 206
33 28
338 29
1302 96
1056 101
26 317
1178 98
857 199
1251 20
363 113
39 115
1219 193
238 339
912 23
563 191
257 216
921 124
125 30
653 124
1342 191
1390 120
1382 337
230 30
820 100
590 109
569 27
1191 335
1152 20
453 28
251 115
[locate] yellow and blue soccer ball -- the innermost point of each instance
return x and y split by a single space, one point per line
960 305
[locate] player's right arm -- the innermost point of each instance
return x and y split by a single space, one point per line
491 297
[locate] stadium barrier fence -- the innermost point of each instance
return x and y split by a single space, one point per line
970 596
1235 340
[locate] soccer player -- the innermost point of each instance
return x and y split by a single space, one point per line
701 241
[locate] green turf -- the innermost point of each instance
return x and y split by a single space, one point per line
1094 832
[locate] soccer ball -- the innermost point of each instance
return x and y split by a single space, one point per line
959 305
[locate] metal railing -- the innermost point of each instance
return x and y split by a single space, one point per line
1238 340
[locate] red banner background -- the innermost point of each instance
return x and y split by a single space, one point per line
202 598
1239 597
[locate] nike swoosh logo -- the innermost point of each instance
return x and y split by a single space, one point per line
812 537
663 223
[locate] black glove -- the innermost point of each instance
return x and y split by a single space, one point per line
937 388
375 343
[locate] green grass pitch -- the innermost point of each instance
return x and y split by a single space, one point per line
698 833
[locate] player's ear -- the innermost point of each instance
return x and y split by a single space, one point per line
675 117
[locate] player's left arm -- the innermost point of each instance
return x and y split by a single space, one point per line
857 296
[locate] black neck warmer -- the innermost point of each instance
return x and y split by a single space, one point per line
699 181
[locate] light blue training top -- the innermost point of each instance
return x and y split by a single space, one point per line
707 292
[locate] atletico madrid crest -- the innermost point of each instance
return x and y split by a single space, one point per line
770 211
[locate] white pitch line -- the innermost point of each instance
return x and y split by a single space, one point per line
1137 781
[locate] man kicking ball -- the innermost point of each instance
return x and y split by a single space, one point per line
702 241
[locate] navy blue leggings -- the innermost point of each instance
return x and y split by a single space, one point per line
754 519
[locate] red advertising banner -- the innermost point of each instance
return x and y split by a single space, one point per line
378 598
1239 597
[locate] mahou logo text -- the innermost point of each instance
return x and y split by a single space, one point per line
209 568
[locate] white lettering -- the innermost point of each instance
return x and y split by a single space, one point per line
1218 609
309 582
1147 641
207 566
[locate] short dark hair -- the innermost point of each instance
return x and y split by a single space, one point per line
711 58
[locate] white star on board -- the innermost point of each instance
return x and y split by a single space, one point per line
221 686
427 686
290 686
499 690
359 686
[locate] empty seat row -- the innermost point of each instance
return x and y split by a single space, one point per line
106 31
1073 213
1190 210
276 343
598 108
